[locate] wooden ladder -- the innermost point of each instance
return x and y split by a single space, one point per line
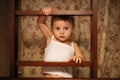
14 63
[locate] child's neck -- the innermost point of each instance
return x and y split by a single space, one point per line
68 42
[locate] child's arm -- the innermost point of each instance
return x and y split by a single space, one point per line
42 25
77 55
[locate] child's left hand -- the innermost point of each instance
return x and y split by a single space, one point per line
76 59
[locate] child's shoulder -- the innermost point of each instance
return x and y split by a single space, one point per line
75 44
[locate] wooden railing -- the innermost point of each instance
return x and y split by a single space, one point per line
7 78
41 63
59 12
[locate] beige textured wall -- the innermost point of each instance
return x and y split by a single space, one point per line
109 38
32 43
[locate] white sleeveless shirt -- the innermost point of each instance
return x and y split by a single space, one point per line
58 52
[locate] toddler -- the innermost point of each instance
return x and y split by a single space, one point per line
59 47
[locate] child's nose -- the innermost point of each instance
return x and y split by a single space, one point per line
62 31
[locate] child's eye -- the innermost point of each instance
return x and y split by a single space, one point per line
66 28
57 28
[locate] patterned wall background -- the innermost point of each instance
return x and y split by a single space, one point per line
32 43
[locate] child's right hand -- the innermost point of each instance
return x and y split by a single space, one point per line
48 10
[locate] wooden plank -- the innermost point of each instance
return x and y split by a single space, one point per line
11 37
94 39
41 63
38 78
59 12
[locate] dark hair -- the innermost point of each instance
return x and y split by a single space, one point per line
63 17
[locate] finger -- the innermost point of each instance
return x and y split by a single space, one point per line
44 11
74 58
50 10
77 59
80 60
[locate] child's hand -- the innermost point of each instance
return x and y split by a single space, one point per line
76 59
48 10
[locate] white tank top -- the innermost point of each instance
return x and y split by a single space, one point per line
58 52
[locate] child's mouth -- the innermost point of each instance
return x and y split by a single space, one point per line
62 36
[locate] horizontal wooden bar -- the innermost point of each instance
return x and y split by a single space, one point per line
7 78
41 63
59 12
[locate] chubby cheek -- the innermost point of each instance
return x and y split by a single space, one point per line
55 33
69 32
69 35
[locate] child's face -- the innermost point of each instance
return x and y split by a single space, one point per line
62 30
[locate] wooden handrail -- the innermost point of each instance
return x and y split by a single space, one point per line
40 78
59 12
41 63
67 79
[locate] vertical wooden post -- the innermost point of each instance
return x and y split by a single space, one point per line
11 36
13 39
94 39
